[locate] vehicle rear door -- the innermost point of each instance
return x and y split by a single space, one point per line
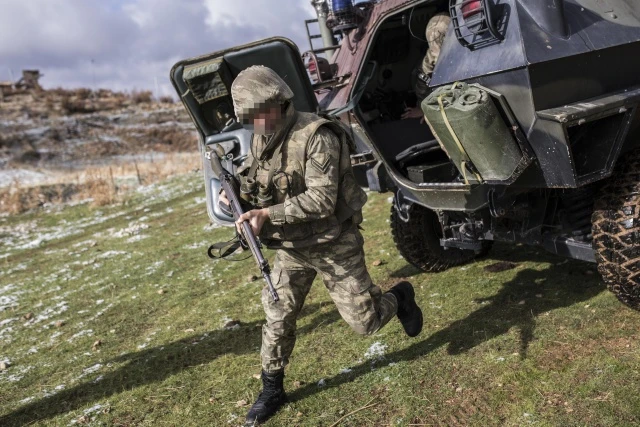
204 87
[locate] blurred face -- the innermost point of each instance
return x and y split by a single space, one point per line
265 121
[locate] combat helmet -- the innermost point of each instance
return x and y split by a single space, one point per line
258 87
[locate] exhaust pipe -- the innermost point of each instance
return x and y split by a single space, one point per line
322 10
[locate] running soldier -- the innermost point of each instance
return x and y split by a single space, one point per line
310 211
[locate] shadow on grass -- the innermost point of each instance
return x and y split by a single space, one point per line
155 365
501 251
560 286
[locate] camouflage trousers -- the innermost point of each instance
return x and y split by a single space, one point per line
341 264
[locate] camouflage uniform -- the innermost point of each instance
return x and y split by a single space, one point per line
313 221
435 33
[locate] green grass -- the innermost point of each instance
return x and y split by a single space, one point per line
542 344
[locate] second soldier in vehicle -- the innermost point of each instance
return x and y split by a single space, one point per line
436 33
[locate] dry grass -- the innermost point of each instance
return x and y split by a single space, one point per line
86 101
141 97
77 106
18 198
104 185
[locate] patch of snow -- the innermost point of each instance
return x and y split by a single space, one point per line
100 313
111 254
376 351
4 333
85 243
133 229
154 267
54 336
24 176
14 376
87 413
7 321
197 245
137 238
86 332
55 310
211 226
91 369
8 301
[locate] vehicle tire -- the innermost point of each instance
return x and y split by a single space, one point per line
616 231
418 241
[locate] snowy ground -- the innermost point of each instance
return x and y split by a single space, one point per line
116 316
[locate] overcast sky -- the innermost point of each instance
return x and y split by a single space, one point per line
131 44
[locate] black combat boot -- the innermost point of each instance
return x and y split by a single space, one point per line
269 401
409 313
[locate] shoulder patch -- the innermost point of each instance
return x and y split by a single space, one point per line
321 162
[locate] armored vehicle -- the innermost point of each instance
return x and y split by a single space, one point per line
532 134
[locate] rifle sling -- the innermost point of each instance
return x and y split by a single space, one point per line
224 249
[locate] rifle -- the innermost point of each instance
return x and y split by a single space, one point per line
230 186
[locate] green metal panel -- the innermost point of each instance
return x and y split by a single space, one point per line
486 144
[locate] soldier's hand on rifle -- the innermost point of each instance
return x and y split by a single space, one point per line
256 218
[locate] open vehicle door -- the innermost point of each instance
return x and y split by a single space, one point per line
204 86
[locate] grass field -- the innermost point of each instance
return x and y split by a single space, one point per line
115 316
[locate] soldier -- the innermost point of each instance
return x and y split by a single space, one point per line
436 32
312 220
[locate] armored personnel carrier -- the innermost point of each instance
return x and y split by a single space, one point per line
532 133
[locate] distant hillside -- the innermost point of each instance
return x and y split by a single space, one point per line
69 128
59 146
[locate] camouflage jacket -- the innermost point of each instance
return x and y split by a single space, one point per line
313 186
436 33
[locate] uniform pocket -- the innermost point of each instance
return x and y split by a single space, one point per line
346 265
351 198
354 196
